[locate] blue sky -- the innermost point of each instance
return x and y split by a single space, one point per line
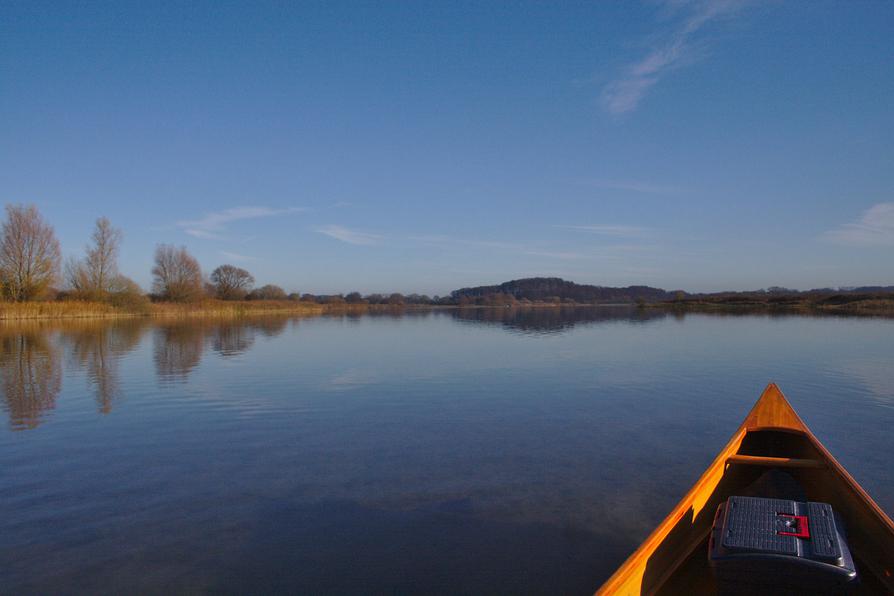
422 146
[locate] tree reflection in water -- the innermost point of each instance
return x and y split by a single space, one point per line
97 347
271 326
31 368
179 346
232 338
178 349
31 356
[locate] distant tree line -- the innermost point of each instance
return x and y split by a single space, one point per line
554 290
31 269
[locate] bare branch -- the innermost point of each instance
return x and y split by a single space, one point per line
177 275
29 254
231 283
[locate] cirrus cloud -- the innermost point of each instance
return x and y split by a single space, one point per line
239 258
672 49
874 228
350 236
211 225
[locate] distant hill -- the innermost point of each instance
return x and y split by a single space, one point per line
557 290
867 290
553 288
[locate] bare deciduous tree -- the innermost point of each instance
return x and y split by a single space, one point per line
96 276
102 256
76 276
177 275
29 254
231 282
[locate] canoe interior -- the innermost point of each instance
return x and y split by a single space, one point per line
673 560
693 575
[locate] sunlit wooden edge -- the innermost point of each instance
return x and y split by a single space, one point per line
628 578
772 411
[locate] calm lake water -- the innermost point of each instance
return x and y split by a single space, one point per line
481 451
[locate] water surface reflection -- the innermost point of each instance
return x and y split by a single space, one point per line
179 345
456 451
31 356
558 319
31 367
97 347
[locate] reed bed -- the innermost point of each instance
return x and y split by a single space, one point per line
870 307
72 309
881 306
225 309
20 311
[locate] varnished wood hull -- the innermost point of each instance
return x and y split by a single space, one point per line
673 559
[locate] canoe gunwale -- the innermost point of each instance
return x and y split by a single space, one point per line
771 413
636 562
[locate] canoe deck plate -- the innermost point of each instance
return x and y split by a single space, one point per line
782 527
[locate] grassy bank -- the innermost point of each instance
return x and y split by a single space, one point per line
842 304
72 309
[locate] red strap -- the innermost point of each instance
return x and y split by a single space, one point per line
801 528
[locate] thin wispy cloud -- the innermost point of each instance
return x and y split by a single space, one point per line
874 228
617 231
671 49
212 225
203 234
234 256
350 236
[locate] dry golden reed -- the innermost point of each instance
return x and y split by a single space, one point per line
73 309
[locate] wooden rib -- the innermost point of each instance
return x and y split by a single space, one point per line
775 462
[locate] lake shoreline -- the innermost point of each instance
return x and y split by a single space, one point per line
218 309
876 307
50 310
